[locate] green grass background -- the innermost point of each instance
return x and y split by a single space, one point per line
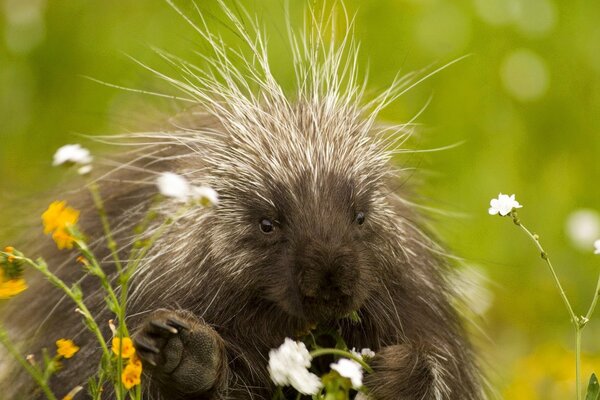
523 133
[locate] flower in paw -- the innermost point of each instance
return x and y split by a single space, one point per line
288 366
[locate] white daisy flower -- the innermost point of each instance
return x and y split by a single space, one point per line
597 247
288 365
173 185
349 369
205 195
503 205
74 154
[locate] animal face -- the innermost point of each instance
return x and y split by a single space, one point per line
307 219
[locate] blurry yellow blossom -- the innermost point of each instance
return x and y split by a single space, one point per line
56 219
10 250
10 287
547 374
66 348
132 374
63 239
126 348
11 283
135 360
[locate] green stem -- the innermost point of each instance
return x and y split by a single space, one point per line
342 353
56 281
578 362
594 301
97 270
35 373
578 323
111 243
545 257
141 253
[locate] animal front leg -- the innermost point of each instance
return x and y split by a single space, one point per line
406 372
184 357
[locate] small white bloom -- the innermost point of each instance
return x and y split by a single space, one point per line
364 353
205 195
86 169
349 369
503 205
173 185
288 365
367 353
597 247
72 154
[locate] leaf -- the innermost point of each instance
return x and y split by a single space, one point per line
593 390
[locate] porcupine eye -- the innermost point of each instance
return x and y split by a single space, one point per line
360 218
266 226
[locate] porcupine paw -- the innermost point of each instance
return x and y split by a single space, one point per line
182 354
400 372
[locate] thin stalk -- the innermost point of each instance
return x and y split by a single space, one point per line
34 372
545 257
111 243
578 362
56 281
588 315
141 253
342 353
97 270
578 323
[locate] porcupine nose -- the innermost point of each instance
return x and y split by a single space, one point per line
330 284
327 273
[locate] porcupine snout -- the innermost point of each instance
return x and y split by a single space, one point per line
326 271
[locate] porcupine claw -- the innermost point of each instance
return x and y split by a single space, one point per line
182 353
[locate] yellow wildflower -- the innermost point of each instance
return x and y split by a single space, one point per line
126 349
135 360
10 287
10 250
63 239
131 375
66 348
56 219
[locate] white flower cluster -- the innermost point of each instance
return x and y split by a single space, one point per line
74 154
365 353
288 366
176 186
503 205
349 369
597 247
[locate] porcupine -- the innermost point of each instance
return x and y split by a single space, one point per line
310 227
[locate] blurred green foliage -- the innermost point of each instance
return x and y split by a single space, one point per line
526 104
